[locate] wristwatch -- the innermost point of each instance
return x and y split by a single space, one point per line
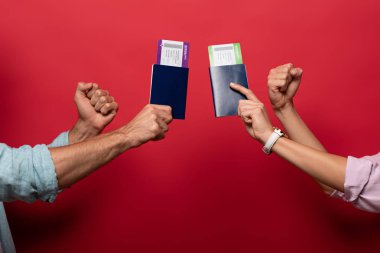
277 133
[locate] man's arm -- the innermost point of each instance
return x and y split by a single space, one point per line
31 173
76 161
27 173
283 83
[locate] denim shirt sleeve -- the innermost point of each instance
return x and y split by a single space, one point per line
61 140
28 173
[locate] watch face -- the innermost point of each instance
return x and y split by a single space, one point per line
279 132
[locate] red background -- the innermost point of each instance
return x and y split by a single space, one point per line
207 187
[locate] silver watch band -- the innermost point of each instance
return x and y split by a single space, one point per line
277 133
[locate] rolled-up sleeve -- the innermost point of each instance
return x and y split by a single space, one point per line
61 140
362 183
28 173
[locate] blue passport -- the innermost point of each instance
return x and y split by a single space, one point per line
226 100
169 87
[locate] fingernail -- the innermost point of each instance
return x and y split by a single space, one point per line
232 84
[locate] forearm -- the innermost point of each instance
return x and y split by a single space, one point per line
296 128
326 168
76 161
299 132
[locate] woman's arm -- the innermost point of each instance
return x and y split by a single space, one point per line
283 84
326 168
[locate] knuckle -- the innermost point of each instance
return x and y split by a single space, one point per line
155 128
284 76
153 117
150 109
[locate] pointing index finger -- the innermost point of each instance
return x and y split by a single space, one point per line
246 92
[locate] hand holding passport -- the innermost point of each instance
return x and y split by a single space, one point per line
226 66
170 77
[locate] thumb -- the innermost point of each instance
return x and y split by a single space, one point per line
296 72
84 87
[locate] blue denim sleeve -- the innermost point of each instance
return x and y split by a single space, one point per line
61 140
28 173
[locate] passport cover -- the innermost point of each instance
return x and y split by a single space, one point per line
169 87
226 100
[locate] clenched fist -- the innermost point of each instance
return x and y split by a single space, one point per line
150 124
283 83
95 106
96 109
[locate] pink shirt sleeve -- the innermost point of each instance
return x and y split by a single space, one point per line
362 183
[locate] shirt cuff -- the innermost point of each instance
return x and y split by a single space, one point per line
357 175
358 172
45 175
61 140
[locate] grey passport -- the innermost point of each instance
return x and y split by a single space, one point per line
226 100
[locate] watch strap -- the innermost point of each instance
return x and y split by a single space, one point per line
277 134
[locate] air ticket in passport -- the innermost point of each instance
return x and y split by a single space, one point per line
226 54
173 53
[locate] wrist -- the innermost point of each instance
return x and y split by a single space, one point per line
81 131
122 139
272 140
265 136
285 111
129 140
